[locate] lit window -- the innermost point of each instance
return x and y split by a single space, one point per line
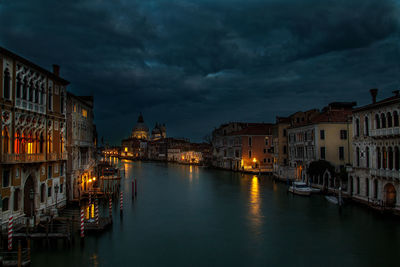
84 113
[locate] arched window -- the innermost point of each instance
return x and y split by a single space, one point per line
390 158
31 92
383 120
49 143
42 192
378 157
37 143
384 157
23 144
375 188
6 84
357 127
366 123
41 143
16 199
30 143
367 187
42 95
396 158
358 156
50 99
19 86
377 122
389 120
6 140
395 119
36 94
25 90
367 157
17 142
358 185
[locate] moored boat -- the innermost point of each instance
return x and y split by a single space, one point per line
300 188
333 200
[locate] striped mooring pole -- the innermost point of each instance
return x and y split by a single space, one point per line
135 186
121 202
110 207
96 210
10 231
82 224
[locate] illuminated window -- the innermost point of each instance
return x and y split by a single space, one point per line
74 107
84 113
30 143
17 142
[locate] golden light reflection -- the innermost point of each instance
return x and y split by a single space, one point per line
255 214
94 260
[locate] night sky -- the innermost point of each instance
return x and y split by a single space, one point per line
196 64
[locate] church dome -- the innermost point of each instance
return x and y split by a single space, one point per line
140 130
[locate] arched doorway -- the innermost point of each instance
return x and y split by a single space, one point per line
29 192
390 195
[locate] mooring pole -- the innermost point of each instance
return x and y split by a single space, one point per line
121 206
133 189
135 186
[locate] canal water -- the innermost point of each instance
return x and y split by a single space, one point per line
193 216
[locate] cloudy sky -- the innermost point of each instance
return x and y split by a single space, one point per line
194 64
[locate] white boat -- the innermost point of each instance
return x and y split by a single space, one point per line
333 200
300 188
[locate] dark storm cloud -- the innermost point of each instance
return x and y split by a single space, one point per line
195 64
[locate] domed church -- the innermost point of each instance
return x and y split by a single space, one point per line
140 131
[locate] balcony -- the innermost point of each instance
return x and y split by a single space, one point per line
52 156
385 132
394 174
23 158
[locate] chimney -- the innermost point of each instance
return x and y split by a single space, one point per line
56 69
374 93
396 92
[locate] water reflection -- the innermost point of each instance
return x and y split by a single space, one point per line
94 260
255 215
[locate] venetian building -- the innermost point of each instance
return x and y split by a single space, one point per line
140 131
375 175
32 149
81 167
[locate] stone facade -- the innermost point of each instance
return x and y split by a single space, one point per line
32 149
375 175
81 144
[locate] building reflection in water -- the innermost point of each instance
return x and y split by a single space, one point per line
255 215
94 260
